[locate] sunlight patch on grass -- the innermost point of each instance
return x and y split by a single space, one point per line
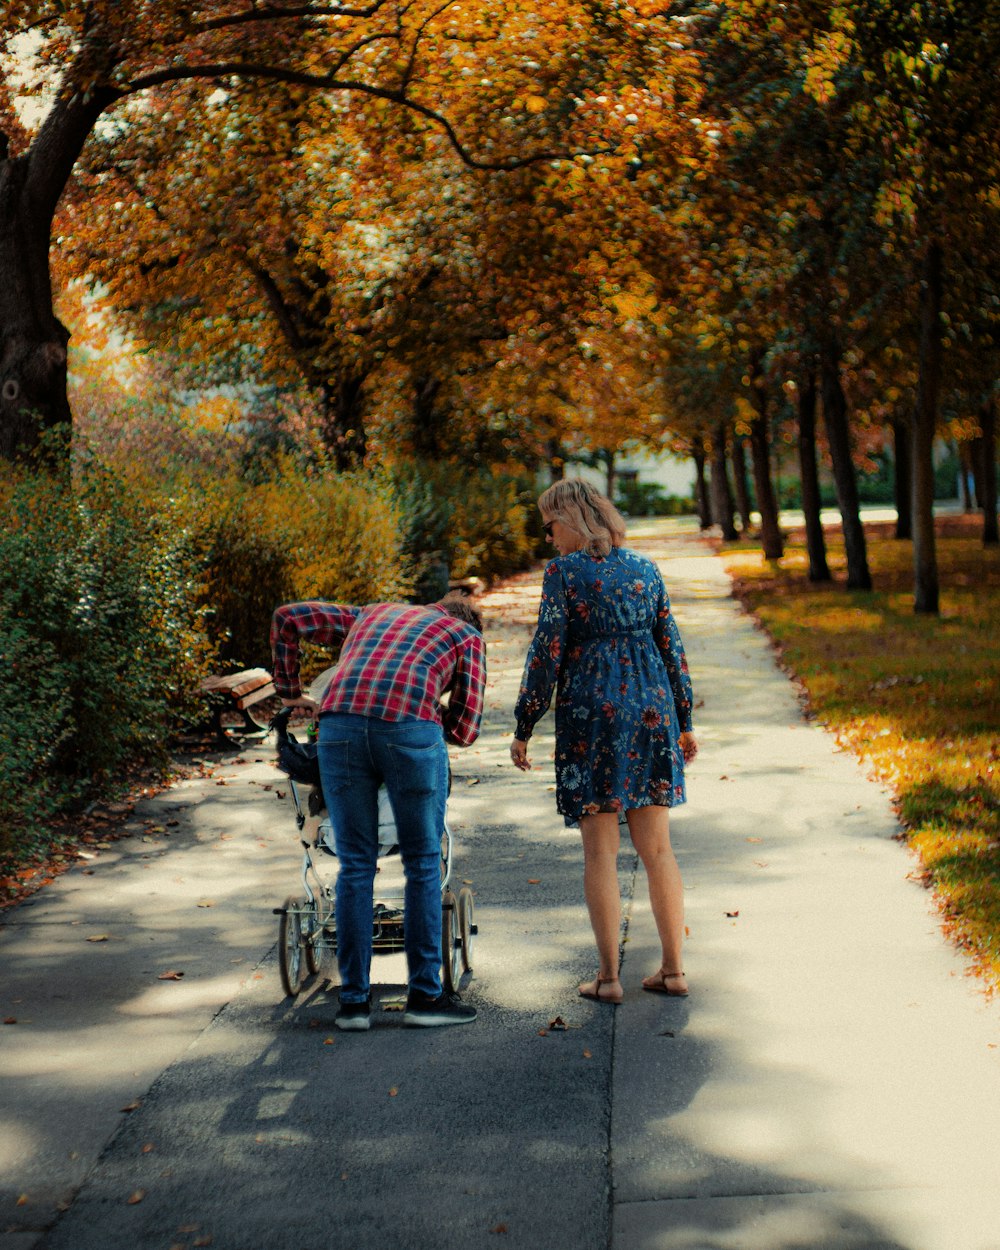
916 697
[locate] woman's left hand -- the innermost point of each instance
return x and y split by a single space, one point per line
519 754
689 746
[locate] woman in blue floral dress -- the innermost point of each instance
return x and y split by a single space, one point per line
608 647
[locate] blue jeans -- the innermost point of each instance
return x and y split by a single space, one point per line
357 754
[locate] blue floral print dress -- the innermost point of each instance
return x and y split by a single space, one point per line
608 646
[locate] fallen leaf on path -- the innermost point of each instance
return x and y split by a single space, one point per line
170 975
732 914
755 839
135 1196
327 1041
99 937
534 881
189 1228
148 1148
543 1032
499 1228
587 1055
558 1023
393 1092
10 1020
204 1240
22 1200
206 902
473 781
134 1105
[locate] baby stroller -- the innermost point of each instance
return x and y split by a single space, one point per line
307 929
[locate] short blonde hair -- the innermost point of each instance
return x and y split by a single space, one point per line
585 510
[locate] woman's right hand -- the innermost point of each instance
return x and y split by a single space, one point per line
519 754
689 746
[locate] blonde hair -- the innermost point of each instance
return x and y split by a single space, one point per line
585 510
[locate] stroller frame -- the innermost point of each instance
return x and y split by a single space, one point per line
307 929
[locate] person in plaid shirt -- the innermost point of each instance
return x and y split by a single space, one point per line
383 721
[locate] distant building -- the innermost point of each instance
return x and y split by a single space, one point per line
638 465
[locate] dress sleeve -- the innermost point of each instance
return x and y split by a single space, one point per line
314 621
668 639
545 655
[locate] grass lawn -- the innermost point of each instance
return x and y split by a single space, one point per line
916 697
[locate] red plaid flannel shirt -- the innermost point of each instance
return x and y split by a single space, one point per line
396 664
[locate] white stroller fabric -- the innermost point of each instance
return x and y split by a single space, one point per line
387 843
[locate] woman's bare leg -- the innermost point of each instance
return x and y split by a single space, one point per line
600 889
650 830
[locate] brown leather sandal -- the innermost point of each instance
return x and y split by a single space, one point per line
657 984
592 989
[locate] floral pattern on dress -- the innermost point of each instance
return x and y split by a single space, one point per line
608 647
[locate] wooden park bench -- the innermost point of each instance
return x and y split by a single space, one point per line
240 693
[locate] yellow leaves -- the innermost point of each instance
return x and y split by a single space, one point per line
633 306
828 56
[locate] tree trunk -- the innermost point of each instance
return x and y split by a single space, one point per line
988 461
967 476
426 440
770 531
33 341
720 490
701 489
839 439
902 486
557 460
819 570
925 570
344 432
740 482
610 476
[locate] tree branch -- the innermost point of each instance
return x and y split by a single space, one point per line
326 82
276 301
272 14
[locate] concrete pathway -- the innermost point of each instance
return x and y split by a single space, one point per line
834 1079
833 1082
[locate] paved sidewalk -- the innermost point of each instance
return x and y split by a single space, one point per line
833 1082
834 1079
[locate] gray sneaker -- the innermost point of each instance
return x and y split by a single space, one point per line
426 1012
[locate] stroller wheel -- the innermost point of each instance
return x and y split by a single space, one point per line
466 925
451 955
290 957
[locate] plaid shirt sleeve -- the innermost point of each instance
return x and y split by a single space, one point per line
464 715
314 621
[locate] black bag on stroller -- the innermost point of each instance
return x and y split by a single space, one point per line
299 760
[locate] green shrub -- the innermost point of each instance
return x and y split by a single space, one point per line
461 522
301 534
649 499
100 641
